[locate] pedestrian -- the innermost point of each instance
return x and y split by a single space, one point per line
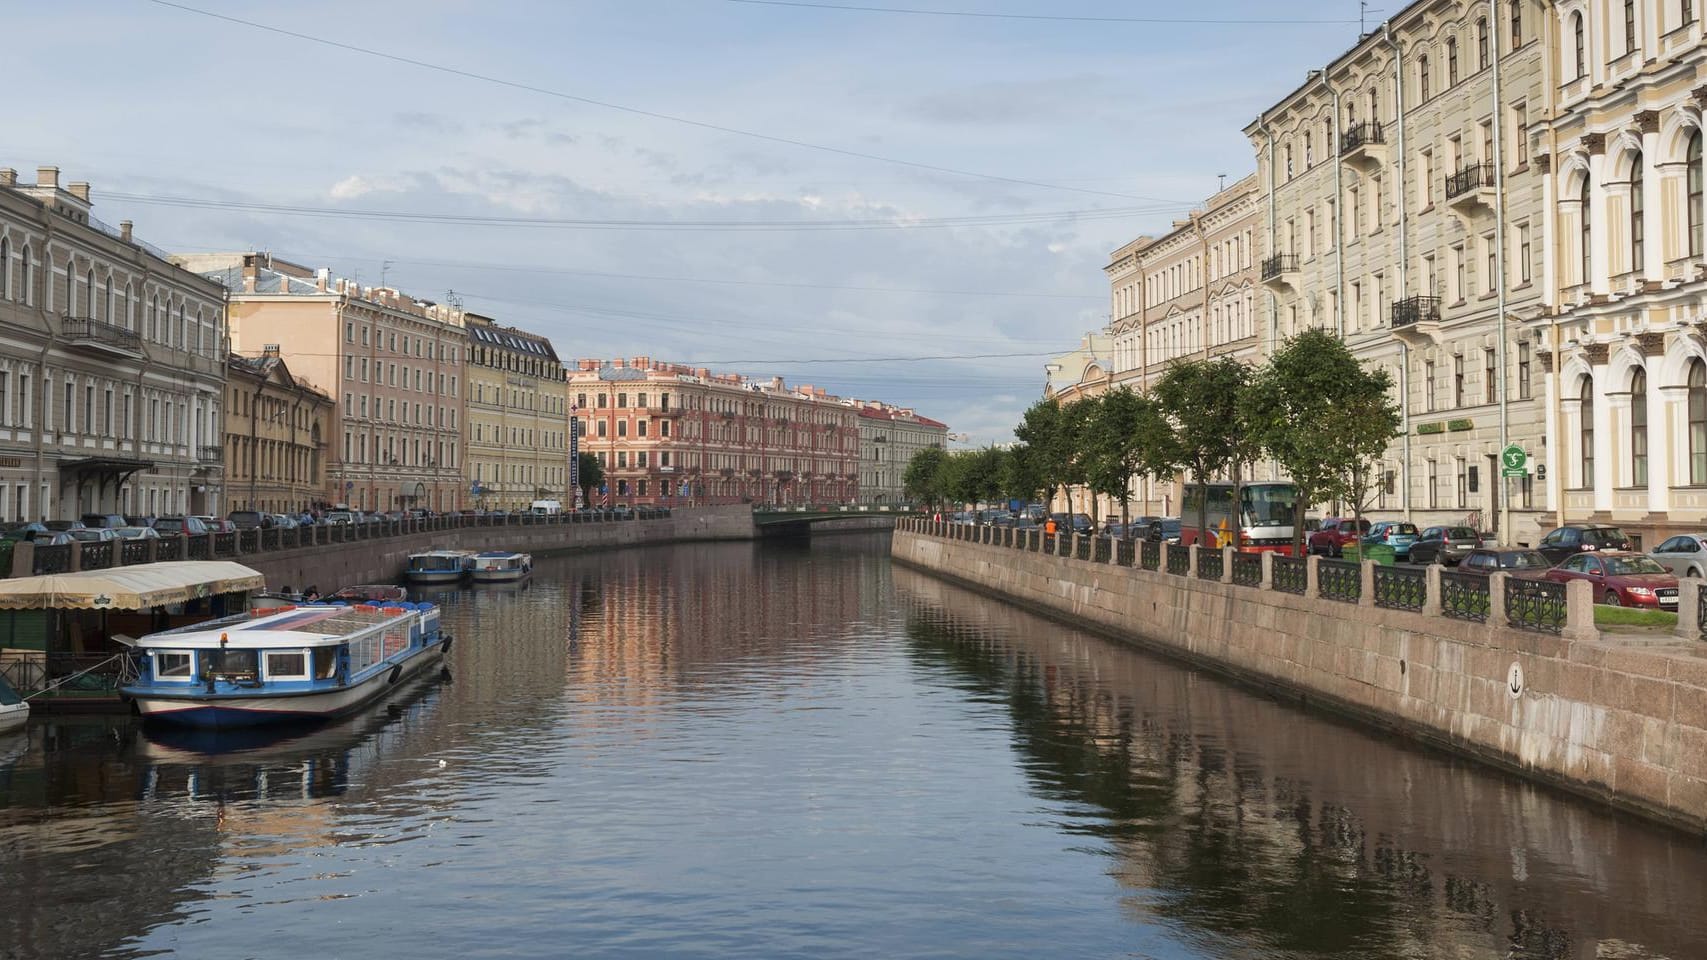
1049 527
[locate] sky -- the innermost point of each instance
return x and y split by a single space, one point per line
589 170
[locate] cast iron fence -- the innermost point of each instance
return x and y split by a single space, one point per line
1179 559
1535 604
1464 596
1340 580
1211 564
1247 569
1400 588
1291 574
1150 555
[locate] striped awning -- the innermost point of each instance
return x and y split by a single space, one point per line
138 587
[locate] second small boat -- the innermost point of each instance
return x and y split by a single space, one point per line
500 566
438 566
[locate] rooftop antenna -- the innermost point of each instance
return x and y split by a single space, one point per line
384 267
453 298
1221 182
1363 12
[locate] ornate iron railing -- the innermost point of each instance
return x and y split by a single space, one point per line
133 551
1279 264
1291 574
52 558
169 548
1125 553
1100 547
249 540
1082 549
1464 596
1150 555
199 548
1247 569
1472 177
225 544
1701 612
1211 564
1179 559
270 538
1535 604
1400 588
1360 134
1340 580
1414 310
97 555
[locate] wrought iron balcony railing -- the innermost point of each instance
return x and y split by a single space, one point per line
1414 310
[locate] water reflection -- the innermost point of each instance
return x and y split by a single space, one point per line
1233 813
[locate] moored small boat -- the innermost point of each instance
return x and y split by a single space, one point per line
437 566
14 710
500 566
294 663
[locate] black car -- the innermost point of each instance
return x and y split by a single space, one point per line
1522 562
1447 545
1574 538
1165 530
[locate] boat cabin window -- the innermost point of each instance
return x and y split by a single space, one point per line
173 665
325 662
229 663
364 652
287 665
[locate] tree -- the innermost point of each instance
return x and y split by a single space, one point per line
923 478
1049 445
1322 415
976 475
1021 477
592 477
1202 398
1125 437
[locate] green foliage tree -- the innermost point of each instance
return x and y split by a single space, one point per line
923 480
592 477
976 475
1202 399
1047 434
1021 478
1321 415
1125 437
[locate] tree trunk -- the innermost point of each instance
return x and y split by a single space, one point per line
1238 521
1202 507
1298 524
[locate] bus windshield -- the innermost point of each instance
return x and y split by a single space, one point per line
1269 504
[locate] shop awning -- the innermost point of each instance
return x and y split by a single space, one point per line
129 588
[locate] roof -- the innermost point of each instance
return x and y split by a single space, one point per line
304 626
510 338
129 588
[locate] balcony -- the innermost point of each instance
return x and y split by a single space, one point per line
1470 192
1280 271
102 338
1363 147
1416 318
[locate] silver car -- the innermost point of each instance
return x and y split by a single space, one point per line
1684 555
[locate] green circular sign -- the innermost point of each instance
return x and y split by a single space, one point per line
1513 459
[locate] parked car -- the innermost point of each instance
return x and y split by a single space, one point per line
249 519
217 525
94 535
173 526
1575 538
1163 530
1684 555
137 533
1446 545
28 530
283 521
1334 534
1397 534
138 520
340 518
1621 578
1523 562
63 526
109 520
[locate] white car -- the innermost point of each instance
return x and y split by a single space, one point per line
1684 555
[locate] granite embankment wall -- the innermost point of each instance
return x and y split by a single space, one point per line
1622 722
382 560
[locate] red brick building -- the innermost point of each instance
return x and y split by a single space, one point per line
668 434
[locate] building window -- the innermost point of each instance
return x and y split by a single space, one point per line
1422 79
1585 429
1523 370
1695 195
1629 26
1523 252
1458 380
1482 44
1490 376
1463 484
1639 429
1697 423
1433 485
1452 61
1587 231
1516 24
1428 385
1637 219
1581 48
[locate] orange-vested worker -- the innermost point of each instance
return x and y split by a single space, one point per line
1049 527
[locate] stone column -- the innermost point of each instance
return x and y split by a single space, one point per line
1432 596
1688 608
1267 569
1227 555
1312 576
23 558
1655 230
1604 466
1496 600
1366 582
1600 226
76 556
1191 562
1579 611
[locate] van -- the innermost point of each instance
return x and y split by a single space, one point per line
546 508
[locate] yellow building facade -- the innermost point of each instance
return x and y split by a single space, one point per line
518 418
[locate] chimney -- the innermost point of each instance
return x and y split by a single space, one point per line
248 281
125 230
270 351
8 177
321 277
619 363
47 177
80 190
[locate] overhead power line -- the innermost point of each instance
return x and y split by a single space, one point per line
637 111
1185 21
487 220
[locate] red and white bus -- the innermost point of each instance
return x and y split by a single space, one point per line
1263 521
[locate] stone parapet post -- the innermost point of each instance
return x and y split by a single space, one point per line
76 562
1498 617
1689 608
1227 554
1267 570
1366 583
1312 576
1579 611
1191 562
1432 595
23 558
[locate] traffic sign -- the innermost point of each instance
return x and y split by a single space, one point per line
1514 462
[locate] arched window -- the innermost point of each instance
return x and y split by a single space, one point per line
1422 78
1639 429
29 276
1309 150
5 269
1697 423
1581 48
1638 221
1587 218
1585 432
1482 44
1374 104
89 294
1695 195
1451 61
70 308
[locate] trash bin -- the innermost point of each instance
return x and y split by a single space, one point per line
1380 553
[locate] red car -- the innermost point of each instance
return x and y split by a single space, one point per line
1331 538
1621 578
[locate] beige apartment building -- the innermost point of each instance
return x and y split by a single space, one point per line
1406 211
889 438
392 364
1623 355
1193 292
112 364
518 420
276 425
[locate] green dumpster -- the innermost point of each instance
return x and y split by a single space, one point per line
1380 553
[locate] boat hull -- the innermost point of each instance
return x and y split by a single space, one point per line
222 712
499 576
13 716
434 576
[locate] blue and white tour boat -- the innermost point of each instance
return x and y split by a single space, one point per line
293 663
438 566
500 566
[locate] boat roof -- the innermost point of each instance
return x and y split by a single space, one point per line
138 587
499 553
288 627
441 553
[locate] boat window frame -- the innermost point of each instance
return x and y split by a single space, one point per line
189 657
299 652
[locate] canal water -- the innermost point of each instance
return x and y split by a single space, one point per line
791 750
